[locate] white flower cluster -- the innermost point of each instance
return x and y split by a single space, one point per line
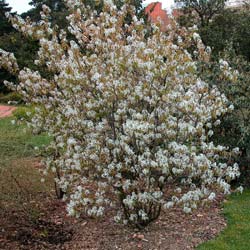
8 61
128 115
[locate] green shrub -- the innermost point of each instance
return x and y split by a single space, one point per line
12 97
235 126
23 113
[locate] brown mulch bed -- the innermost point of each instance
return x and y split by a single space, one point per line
47 226
55 230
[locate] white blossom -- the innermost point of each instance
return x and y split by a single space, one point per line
127 113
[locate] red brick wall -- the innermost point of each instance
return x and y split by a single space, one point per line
155 12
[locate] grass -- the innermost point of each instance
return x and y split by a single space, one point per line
26 204
20 179
236 236
16 141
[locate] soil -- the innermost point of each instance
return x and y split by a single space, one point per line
55 230
48 227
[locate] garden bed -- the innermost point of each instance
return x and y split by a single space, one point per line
41 222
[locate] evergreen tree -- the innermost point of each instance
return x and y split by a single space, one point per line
24 48
5 26
58 11
5 29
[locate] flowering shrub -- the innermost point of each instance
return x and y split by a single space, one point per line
128 114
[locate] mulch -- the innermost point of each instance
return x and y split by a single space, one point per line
53 229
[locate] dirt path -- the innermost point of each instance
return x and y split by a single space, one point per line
6 111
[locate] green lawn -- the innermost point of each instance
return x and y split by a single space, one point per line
237 234
20 179
16 141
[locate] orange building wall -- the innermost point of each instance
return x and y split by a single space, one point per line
155 12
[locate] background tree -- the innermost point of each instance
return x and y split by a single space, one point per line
24 48
229 29
234 128
228 35
5 26
58 11
205 10
5 29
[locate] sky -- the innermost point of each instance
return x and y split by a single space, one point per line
19 5
23 5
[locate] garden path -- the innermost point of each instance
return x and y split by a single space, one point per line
6 111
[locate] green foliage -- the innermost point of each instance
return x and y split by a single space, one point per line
25 51
228 35
229 29
235 127
236 235
5 29
10 40
12 97
58 11
24 48
24 113
5 26
205 10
